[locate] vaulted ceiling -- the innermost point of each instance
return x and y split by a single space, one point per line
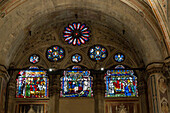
28 26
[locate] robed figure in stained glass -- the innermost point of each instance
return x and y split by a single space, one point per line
121 83
76 84
32 84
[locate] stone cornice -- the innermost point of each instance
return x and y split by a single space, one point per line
154 68
159 67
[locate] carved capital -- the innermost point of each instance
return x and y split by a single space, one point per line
154 68
167 67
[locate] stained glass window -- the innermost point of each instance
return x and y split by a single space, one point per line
121 83
76 58
76 33
97 53
55 53
34 59
76 84
32 83
119 57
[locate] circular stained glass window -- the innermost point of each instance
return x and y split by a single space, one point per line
97 53
76 34
34 59
55 53
76 58
119 57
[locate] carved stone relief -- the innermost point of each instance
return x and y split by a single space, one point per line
121 109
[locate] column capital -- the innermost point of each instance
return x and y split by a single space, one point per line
154 68
167 67
4 72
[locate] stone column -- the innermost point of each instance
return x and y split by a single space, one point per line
4 78
142 88
99 90
54 93
167 74
11 91
157 88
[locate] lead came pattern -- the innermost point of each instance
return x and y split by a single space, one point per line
76 34
98 53
55 53
120 83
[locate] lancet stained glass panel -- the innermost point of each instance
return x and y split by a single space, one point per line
121 83
32 84
76 84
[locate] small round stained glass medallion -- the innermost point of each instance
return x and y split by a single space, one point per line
98 53
34 59
55 53
76 34
76 58
119 57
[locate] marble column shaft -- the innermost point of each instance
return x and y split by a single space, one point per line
99 93
157 89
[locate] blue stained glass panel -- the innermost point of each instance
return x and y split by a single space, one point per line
55 53
76 58
32 84
119 57
121 83
98 53
34 59
76 84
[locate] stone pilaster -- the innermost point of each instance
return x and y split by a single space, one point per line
99 89
4 78
142 88
167 74
157 88
54 93
11 90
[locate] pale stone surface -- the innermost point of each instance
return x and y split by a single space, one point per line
76 105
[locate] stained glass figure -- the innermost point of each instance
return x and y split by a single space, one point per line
76 58
119 57
121 83
97 53
32 83
76 84
34 59
76 33
55 53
